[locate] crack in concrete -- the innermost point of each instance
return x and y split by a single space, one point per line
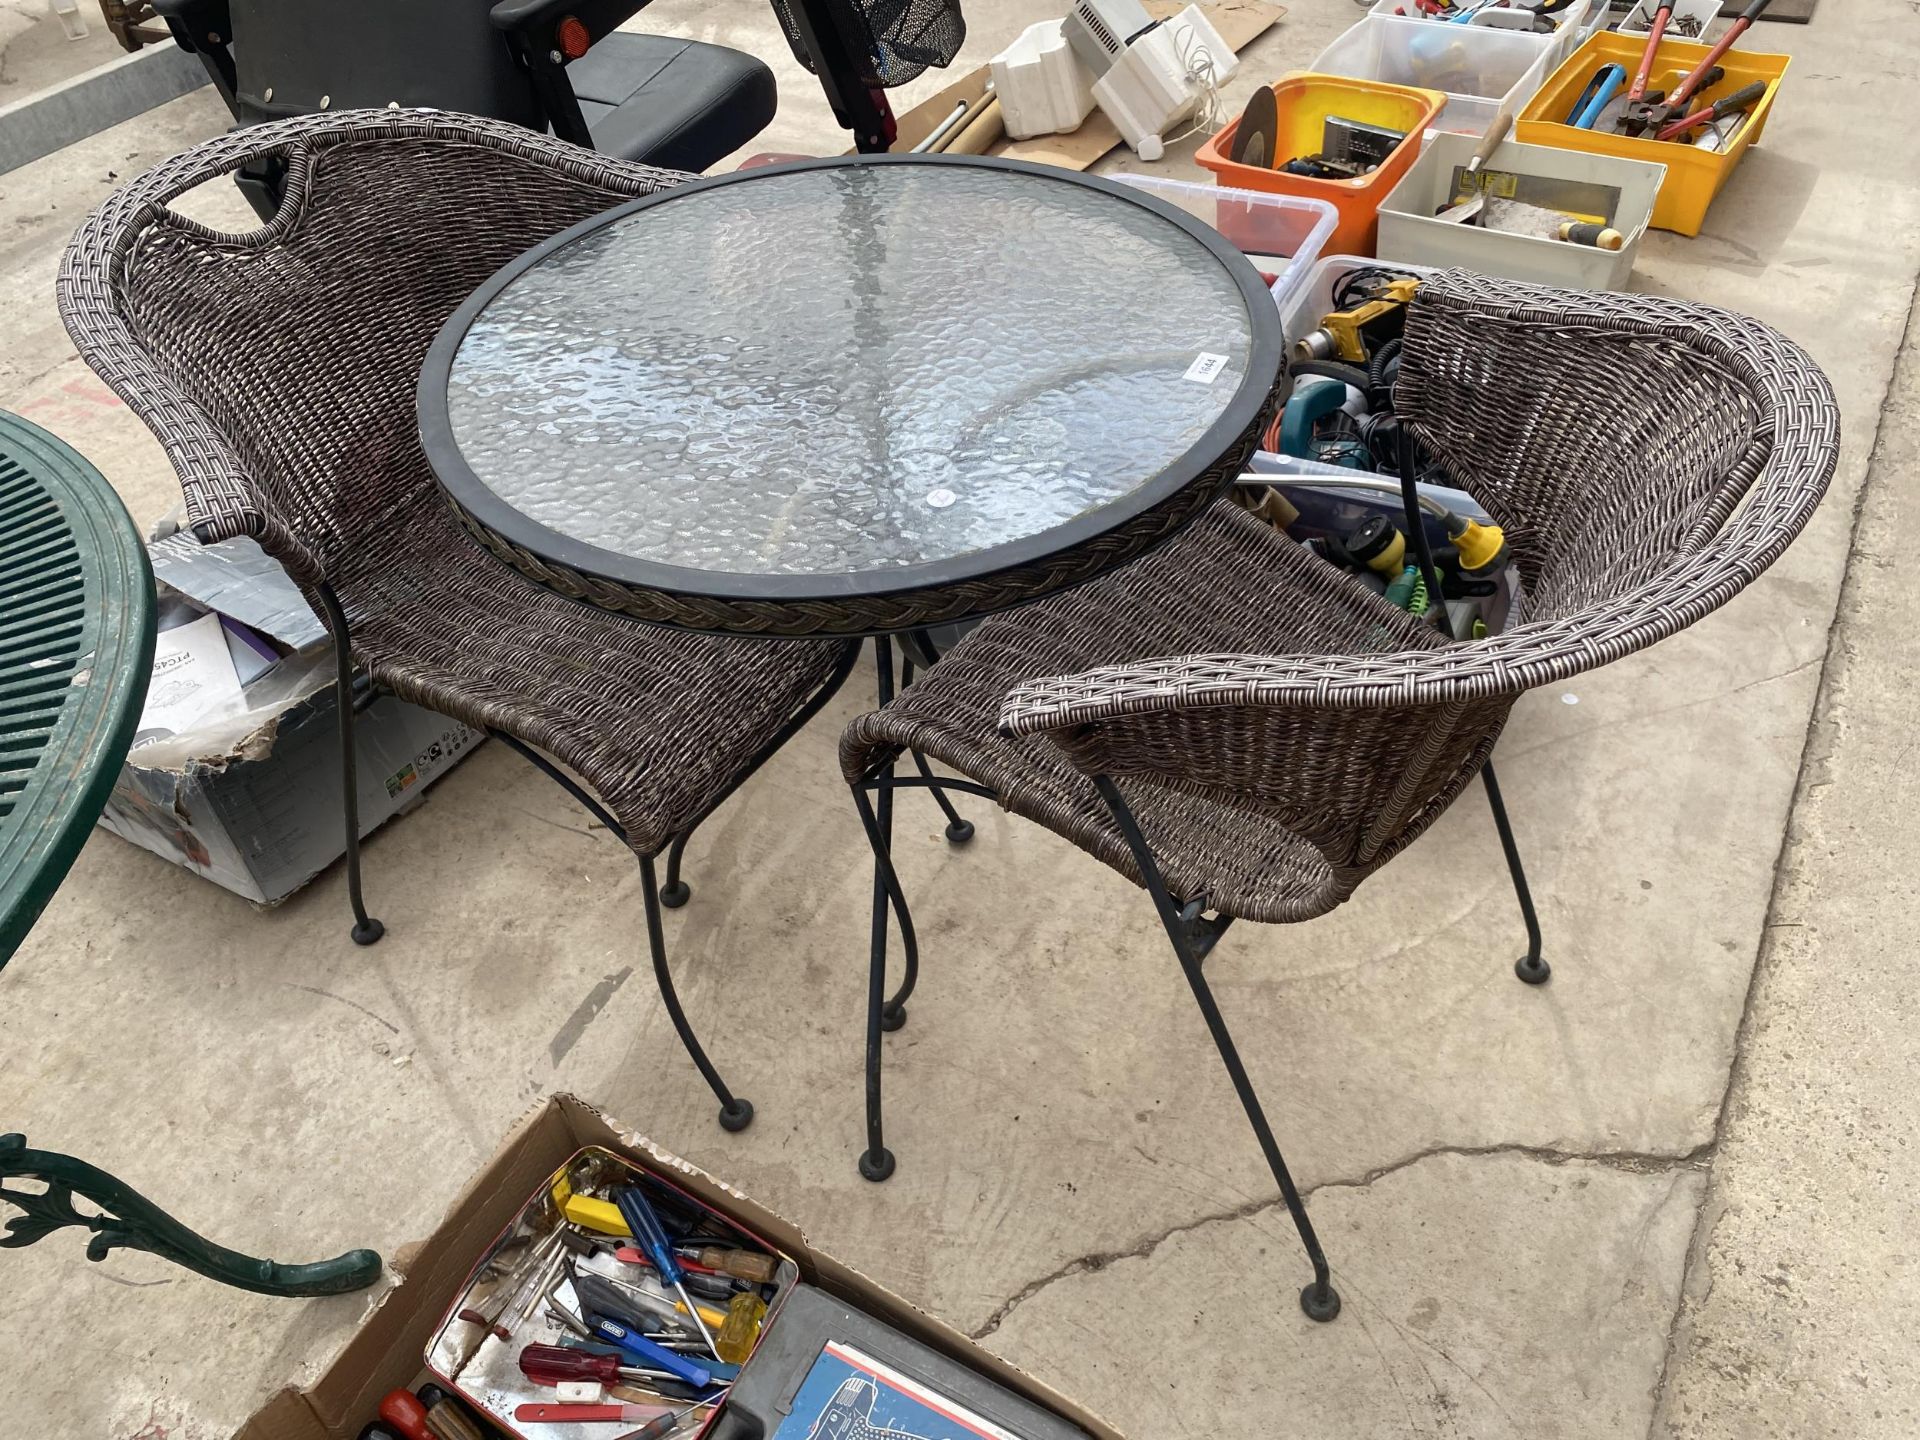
1633 1162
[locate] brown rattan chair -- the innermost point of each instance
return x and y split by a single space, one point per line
1243 730
278 369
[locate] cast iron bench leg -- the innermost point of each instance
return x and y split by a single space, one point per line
129 1222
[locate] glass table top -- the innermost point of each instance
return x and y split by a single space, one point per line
848 369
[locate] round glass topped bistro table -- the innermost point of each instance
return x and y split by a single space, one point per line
850 397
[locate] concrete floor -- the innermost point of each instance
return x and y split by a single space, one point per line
36 52
1662 1196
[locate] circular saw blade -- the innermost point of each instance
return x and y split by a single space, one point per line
1255 136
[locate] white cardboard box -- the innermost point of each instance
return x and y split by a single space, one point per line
252 800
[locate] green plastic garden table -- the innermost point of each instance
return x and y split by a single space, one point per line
76 648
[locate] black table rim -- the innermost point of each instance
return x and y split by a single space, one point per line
483 507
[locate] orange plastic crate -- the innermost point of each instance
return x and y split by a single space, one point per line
1304 102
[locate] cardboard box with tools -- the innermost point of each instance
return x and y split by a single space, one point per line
838 1316
235 770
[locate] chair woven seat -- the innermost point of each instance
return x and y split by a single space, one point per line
1229 583
656 721
278 366
1238 726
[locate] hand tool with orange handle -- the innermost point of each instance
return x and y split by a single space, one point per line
1696 80
447 1419
1638 88
402 1411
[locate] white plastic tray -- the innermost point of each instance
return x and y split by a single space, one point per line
1571 26
1409 231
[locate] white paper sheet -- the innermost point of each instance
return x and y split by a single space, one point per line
193 681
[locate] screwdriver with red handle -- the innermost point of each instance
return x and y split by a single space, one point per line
557 1365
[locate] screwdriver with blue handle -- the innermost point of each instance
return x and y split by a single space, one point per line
650 1355
651 1236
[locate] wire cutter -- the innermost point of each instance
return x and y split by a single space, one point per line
1604 85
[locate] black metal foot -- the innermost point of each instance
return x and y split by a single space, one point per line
876 1165
676 894
893 1016
368 932
1321 1302
959 832
736 1115
1532 969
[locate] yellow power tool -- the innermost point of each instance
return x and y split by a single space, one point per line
1346 334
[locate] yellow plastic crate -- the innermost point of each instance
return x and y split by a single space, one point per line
1694 176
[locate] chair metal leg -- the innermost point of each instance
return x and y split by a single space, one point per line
126 1220
959 831
894 1013
1319 1299
1530 967
876 1161
365 930
735 1113
676 892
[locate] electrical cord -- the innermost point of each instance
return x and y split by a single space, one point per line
1202 73
1377 363
1348 290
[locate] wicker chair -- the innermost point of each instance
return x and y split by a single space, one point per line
1236 726
278 369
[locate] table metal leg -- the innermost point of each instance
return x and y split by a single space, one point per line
126 1221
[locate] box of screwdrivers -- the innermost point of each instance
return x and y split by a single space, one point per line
613 1295
548 1267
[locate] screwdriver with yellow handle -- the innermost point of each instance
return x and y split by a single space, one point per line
748 1265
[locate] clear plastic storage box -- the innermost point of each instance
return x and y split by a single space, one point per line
1571 25
1480 70
1313 298
1281 234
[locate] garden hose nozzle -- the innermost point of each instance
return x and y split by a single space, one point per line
1378 544
1483 548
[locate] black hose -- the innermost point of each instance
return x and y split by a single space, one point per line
1377 365
1417 530
1333 370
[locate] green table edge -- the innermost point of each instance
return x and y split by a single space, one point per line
76 770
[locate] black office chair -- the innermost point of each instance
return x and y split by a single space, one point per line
550 65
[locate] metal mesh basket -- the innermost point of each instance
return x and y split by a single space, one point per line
899 38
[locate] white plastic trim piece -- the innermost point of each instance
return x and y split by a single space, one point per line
1044 88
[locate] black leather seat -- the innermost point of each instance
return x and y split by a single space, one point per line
677 103
681 104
